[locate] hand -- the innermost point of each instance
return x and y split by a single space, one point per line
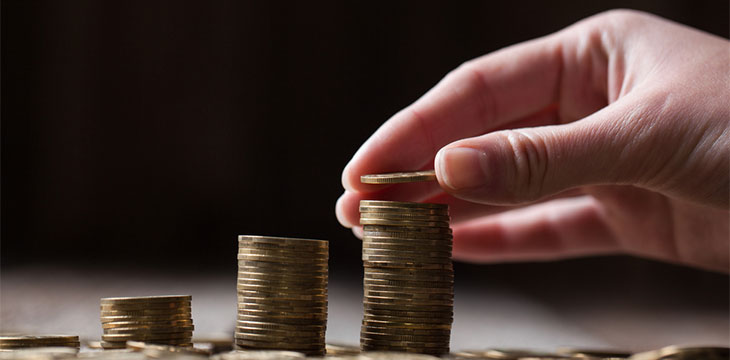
610 136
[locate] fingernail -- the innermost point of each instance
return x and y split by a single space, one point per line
463 168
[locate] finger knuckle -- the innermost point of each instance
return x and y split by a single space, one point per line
528 160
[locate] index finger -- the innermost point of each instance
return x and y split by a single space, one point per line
477 97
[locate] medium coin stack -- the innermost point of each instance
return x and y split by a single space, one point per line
8 342
163 320
282 294
409 277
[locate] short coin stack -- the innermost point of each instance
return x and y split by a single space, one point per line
282 294
33 341
163 320
409 277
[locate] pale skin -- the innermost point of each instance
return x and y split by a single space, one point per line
608 137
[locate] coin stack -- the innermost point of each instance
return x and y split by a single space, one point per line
163 320
409 277
282 294
8 342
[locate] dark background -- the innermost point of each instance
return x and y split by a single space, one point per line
151 133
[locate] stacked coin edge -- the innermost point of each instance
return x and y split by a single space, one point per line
282 294
165 320
408 277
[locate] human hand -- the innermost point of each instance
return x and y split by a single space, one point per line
610 136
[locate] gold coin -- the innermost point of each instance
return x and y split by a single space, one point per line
335 350
283 295
410 332
398 280
306 313
424 253
408 296
405 307
406 264
404 210
105 313
429 224
675 352
110 345
415 239
413 302
271 285
283 240
320 256
156 336
272 338
143 324
279 326
276 266
310 350
394 324
425 344
368 320
300 334
297 319
398 337
399 177
406 247
403 261
289 272
414 290
409 272
441 315
259 355
38 338
116 318
143 346
246 276
148 330
411 231
405 216
249 300
138 306
146 299
284 260
403 204
283 246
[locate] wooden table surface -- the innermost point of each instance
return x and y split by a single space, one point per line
57 300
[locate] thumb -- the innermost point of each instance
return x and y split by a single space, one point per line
523 165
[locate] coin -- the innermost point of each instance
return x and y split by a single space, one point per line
405 216
149 330
142 324
143 346
399 177
403 204
402 210
38 341
259 355
277 326
409 232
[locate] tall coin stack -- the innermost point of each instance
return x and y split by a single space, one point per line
282 294
409 277
163 320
